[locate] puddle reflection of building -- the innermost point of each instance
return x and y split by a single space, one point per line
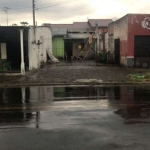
134 111
24 98
25 95
134 104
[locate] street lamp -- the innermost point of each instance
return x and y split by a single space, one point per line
6 11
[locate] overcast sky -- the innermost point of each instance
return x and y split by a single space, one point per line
68 11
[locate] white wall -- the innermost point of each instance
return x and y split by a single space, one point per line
3 51
38 52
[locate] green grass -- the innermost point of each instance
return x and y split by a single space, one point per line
136 77
147 75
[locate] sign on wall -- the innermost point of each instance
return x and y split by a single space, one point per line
146 23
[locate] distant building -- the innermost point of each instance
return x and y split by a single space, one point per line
70 39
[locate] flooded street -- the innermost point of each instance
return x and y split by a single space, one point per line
75 117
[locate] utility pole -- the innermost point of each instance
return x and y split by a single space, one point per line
6 11
97 35
33 4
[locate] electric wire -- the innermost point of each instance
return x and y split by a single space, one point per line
39 7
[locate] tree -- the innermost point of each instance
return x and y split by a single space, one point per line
14 24
23 23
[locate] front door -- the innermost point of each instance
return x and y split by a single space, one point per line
68 50
117 51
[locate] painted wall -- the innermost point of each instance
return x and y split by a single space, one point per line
38 51
111 38
119 30
139 25
58 47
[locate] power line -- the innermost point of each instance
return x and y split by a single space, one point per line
56 4
53 4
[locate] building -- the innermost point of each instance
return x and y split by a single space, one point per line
70 39
25 51
129 40
10 49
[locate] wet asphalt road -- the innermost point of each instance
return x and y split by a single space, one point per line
61 118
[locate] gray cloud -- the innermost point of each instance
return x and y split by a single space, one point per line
21 10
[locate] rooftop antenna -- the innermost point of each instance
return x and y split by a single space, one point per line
6 11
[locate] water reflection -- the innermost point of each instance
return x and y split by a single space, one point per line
134 104
119 94
130 102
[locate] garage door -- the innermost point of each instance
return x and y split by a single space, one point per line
142 46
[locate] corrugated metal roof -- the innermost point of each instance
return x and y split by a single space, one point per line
75 27
78 36
59 31
82 26
101 22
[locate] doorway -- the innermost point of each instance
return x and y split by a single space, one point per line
117 51
68 50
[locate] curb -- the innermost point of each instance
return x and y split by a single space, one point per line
77 84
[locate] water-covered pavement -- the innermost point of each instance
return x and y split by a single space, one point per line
75 117
76 72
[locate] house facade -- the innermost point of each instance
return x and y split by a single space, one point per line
10 49
129 40
25 51
76 37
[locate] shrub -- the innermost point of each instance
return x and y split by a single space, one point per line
101 57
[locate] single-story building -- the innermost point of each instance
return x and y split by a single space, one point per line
10 49
129 40
70 39
24 49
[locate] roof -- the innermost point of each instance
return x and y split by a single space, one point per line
59 31
81 27
11 33
101 22
75 27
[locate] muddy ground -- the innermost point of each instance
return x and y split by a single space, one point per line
72 73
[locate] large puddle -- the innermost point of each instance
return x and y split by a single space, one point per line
30 105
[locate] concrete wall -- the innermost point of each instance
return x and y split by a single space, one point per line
111 38
121 32
106 41
38 50
118 30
